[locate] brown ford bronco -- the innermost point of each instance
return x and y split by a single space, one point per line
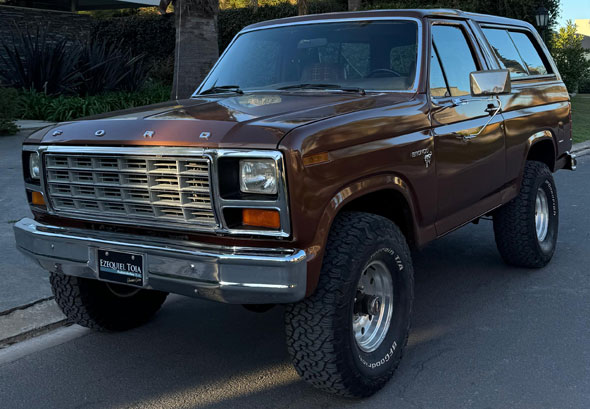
315 154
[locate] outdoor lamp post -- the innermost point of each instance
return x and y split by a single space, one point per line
542 19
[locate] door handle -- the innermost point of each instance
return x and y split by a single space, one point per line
493 111
458 101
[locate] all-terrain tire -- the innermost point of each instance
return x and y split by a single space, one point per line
320 337
515 223
101 306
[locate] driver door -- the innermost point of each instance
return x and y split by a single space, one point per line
469 148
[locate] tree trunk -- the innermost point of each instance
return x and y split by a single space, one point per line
301 7
254 4
196 44
354 5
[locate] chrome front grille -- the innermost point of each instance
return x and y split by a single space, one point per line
137 188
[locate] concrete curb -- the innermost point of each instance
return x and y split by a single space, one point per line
31 320
29 125
581 149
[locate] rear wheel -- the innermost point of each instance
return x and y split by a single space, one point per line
348 337
104 306
526 228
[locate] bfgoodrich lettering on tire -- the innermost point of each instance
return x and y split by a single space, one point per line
526 228
348 337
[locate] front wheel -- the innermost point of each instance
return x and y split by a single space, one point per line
104 306
348 337
526 227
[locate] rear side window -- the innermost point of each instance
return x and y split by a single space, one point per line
516 52
455 56
528 52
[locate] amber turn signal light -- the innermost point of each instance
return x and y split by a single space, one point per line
37 199
316 159
261 218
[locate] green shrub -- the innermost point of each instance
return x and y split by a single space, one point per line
33 61
569 57
7 127
40 106
163 71
584 86
151 34
86 67
231 21
8 111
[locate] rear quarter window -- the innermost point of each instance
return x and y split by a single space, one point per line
529 53
516 52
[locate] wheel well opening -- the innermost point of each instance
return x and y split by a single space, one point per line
388 203
543 151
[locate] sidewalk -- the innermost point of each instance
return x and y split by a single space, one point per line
29 125
25 285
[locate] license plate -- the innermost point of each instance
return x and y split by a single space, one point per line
124 268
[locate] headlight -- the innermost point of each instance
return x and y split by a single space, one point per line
258 176
34 165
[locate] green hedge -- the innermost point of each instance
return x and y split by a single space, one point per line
154 35
231 21
584 86
35 105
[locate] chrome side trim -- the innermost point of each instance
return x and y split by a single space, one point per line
418 21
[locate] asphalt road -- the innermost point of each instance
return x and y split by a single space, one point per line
484 336
22 280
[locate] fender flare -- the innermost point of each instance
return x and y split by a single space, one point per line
345 195
536 138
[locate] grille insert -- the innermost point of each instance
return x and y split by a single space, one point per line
141 188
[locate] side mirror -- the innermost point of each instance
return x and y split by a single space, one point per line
492 82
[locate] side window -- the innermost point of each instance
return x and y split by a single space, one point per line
438 85
455 56
529 53
506 51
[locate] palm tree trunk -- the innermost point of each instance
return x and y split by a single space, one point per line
196 44
354 5
301 7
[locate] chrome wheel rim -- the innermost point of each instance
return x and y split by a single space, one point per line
376 284
541 215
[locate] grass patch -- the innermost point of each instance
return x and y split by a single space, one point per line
581 117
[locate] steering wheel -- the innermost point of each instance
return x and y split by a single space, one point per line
383 71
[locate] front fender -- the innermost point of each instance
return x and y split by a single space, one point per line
346 195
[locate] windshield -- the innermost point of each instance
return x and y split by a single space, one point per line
367 55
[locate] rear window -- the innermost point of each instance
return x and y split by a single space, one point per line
516 52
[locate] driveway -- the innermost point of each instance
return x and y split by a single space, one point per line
22 280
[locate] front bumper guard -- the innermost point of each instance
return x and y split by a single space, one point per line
237 275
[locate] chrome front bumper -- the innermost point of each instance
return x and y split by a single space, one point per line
239 275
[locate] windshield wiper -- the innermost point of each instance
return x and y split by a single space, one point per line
324 86
222 88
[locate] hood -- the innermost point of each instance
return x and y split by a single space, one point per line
255 120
